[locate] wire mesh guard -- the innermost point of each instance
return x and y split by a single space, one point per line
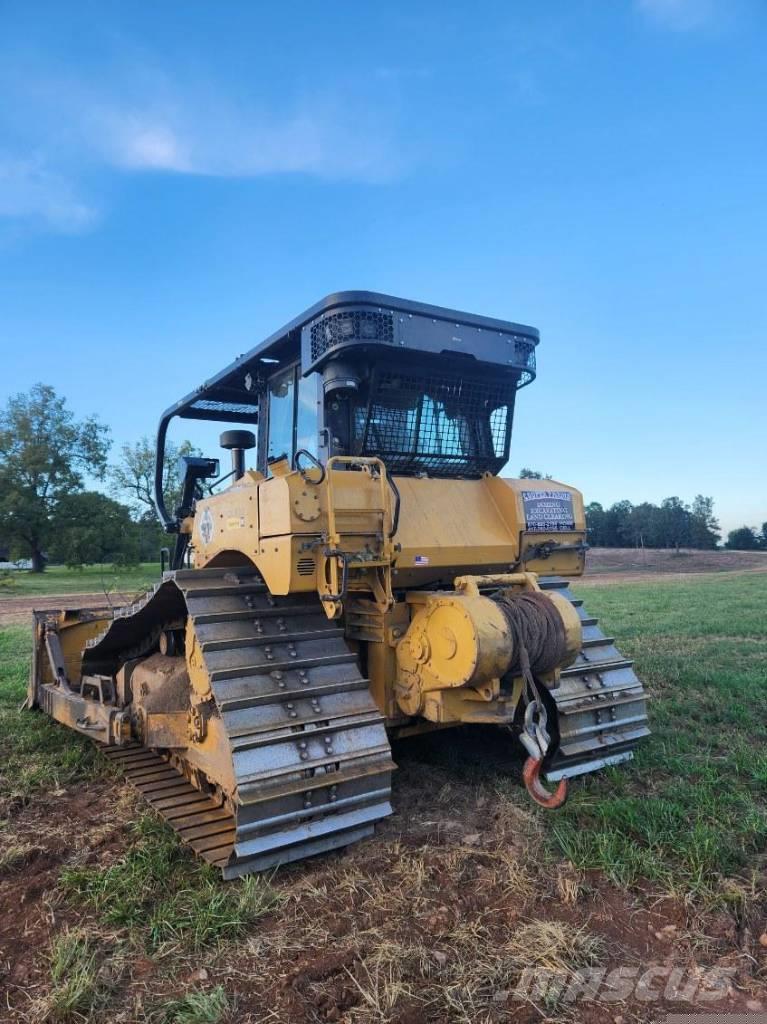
352 325
443 426
222 410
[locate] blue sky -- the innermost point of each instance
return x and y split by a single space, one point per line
178 179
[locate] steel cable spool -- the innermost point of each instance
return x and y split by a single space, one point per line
540 645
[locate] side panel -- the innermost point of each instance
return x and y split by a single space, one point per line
544 514
450 527
446 528
74 629
278 524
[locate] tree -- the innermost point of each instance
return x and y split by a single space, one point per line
133 475
618 524
532 474
595 525
675 523
671 524
743 539
704 526
90 527
44 452
643 525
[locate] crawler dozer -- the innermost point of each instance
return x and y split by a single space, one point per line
370 576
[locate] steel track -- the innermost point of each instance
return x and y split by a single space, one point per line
308 745
310 756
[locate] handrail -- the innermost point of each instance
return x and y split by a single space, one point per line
371 462
170 523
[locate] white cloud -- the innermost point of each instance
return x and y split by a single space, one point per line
29 190
144 122
138 144
680 15
329 140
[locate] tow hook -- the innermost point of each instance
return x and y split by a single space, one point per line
531 775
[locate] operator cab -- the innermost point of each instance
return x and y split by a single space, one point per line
428 390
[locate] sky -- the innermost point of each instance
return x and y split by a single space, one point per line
177 180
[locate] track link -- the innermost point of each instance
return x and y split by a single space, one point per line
202 822
309 752
600 701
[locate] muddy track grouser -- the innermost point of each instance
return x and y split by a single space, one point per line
371 576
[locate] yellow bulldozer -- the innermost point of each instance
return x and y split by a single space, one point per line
370 576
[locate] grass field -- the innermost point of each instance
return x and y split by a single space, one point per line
659 861
691 814
91 579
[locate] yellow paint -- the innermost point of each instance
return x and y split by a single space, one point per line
460 640
299 531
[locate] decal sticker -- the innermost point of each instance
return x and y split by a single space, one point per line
235 522
549 511
206 527
421 560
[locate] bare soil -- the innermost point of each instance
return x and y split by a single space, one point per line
404 928
16 610
612 565
79 824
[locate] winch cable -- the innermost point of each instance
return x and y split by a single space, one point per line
539 646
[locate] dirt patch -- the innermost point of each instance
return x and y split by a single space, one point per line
18 610
632 562
47 832
433 920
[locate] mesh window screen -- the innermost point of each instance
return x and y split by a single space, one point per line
443 426
227 408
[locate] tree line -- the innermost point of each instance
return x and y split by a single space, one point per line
48 514
672 524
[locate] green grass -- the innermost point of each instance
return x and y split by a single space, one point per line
91 579
162 894
690 813
76 989
210 1007
35 753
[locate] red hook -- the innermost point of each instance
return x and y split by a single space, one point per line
531 775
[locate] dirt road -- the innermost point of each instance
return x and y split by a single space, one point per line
15 610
